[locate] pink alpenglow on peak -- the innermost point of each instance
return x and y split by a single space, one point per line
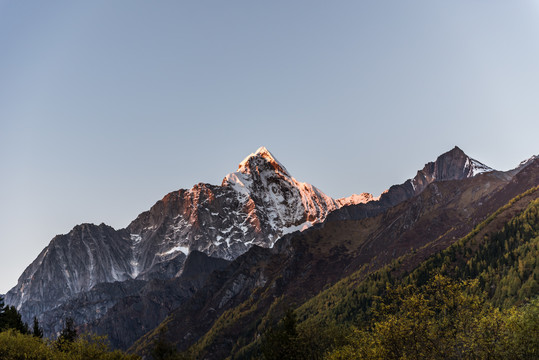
268 189
262 154
356 199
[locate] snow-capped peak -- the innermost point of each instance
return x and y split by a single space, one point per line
267 189
262 154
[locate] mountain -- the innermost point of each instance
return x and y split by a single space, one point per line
235 306
72 263
255 205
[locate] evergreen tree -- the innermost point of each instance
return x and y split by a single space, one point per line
37 331
67 336
282 342
164 349
11 319
2 317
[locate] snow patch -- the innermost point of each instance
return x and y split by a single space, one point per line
175 249
300 227
527 162
479 168
356 199
239 182
265 154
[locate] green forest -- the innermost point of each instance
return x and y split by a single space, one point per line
475 300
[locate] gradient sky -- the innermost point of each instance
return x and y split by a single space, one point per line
106 106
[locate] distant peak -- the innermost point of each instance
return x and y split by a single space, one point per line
454 164
262 150
455 153
456 150
265 155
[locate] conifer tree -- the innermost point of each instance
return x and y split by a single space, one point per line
281 342
37 331
2 310
68 335
163 349
11 319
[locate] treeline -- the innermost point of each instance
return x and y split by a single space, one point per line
18 342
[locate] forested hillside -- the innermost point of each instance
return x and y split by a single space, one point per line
475 300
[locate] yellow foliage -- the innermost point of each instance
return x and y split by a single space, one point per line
15 346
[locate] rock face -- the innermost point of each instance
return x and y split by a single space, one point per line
88 306
453 165
144 310
71 264
255 205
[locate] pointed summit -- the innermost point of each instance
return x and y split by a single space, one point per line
451 165
260 157
271 193
470 168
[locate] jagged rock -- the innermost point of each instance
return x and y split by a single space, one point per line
71 264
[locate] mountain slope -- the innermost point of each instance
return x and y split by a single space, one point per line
102 276
144 310
73 263
500 253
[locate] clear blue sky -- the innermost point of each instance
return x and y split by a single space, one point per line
105 106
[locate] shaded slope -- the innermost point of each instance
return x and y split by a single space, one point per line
134 315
